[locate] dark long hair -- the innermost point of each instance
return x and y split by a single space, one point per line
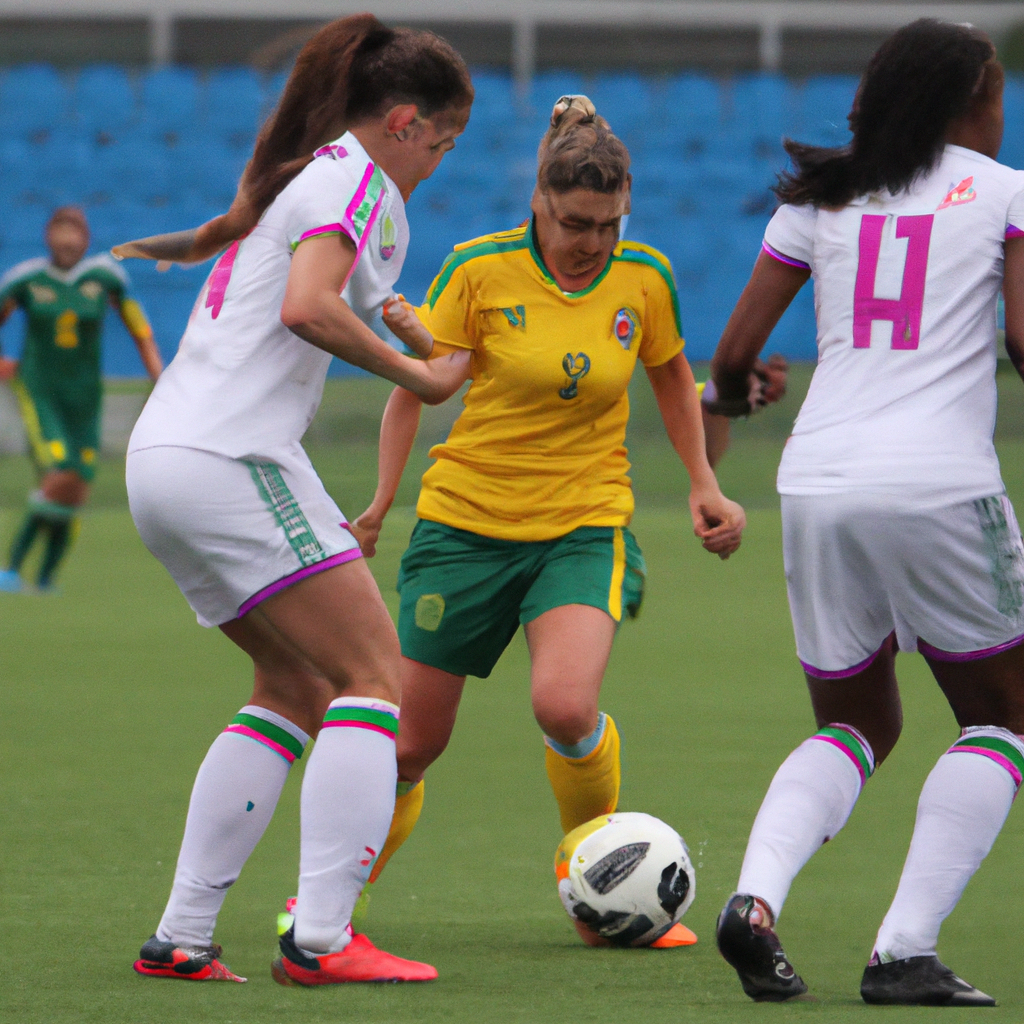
352 69
920 80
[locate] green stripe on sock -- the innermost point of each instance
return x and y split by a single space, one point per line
852 744
382 719
273 732
1004 747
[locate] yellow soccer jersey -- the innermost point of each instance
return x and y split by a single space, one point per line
539 448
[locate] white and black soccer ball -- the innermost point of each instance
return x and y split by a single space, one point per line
627 877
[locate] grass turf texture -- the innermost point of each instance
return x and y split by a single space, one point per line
112 694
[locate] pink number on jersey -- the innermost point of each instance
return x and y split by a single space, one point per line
219 279
904 312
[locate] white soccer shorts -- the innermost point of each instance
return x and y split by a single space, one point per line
949 581
233 532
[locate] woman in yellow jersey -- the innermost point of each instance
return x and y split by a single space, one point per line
523 518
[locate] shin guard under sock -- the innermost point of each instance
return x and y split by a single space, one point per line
233 800
963 805
807 803
586 776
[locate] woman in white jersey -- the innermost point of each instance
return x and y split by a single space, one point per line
224 495
897 531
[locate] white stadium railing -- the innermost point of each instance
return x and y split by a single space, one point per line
768 18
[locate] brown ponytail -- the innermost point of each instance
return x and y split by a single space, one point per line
351 69
579 150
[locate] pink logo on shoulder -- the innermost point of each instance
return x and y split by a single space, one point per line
334 152
959 194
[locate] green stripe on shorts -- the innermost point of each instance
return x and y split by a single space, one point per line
280 500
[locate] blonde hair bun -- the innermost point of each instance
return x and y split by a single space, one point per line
579 102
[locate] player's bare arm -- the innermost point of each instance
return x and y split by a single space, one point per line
314 310
717 521
772 287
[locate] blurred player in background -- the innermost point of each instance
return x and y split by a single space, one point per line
58 380
897 531
523 518
224 495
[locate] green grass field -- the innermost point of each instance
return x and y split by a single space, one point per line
112 693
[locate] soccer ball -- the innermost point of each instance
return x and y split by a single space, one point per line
627 877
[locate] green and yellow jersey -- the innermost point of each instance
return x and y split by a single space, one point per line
539 448
59 382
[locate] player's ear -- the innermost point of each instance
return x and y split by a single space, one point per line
399 118
629 195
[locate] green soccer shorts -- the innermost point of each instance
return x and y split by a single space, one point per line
59 438
465 595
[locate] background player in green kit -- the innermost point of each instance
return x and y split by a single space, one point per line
57 380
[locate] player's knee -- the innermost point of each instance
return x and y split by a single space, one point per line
566 724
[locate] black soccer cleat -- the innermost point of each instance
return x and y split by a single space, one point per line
748 942
918 981
159 959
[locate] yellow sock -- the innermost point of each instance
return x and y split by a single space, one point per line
408 804
586 785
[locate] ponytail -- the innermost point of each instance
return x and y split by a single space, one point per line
351 69
921 79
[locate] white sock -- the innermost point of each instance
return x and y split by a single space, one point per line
808 802
233 800
963 805
348 797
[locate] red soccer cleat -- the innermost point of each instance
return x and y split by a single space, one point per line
360 960
159 959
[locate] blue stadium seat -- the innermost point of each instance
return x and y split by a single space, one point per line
207 171
104 100
547 86
234 105
170 102
762 110
33 101
1012 152
825 103
494 91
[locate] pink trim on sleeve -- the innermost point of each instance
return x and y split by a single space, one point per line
775 254
1014 232
326 229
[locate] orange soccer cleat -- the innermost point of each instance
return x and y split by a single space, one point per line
159 959
677 935
360 960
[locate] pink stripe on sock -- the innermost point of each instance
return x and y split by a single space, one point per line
849 753
1004 762
939 655
301 574
252 734
358 725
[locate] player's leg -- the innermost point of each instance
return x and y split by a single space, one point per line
430 703
64 492
843 629
961 810
569 650
586 583
459 610
966 608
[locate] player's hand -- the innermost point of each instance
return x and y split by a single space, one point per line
717 521
768 381
439 379
403 322
8 368
366 529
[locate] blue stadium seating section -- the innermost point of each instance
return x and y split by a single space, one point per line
162 150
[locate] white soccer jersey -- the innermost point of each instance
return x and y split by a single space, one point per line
903 399
242 384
